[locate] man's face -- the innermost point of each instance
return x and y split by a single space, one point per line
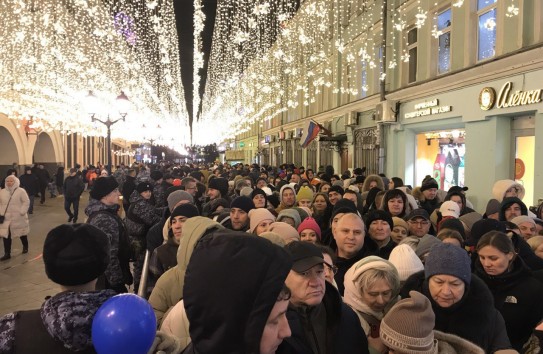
112 198
418 226
239 218
276 328
191 188
512 211
527 230
307 288
213 193
430 194
261 183
288 197
379 231
351 197
295 179
177 227
334 196
259 200
310 174
349 235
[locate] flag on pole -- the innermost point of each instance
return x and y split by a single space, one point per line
310 133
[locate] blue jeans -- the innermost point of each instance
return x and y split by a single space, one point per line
68 202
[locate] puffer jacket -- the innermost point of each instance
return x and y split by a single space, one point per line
451 344
169 287
104 219
16 220
67 317
140 217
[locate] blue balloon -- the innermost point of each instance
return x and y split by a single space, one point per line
124 324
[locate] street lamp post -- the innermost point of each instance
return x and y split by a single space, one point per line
123 103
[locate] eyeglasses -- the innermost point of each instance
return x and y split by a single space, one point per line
420 222
331 268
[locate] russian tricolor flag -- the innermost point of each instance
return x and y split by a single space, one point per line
310 134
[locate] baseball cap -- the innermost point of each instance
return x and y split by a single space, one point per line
418 213
304 255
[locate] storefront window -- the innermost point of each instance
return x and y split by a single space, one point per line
441 155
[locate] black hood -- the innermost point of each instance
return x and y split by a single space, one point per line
231 285
512 200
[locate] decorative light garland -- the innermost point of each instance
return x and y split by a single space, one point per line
198 62
53 52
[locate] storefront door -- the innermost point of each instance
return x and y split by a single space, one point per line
522 170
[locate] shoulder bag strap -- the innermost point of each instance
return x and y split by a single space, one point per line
11 195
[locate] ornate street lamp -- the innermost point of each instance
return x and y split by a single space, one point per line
93 104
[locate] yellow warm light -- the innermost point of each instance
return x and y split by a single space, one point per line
53 52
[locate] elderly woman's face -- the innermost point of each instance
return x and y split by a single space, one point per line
378 295
10 182
446 290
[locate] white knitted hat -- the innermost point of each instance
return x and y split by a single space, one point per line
406 261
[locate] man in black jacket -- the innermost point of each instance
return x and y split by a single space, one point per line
73 188
319 320
43 178
30 184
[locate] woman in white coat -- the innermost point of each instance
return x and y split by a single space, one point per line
14 204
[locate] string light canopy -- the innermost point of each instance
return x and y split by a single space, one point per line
264 67
54 52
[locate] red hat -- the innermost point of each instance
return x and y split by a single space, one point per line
176 182
311 224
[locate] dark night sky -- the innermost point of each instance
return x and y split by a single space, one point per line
184 11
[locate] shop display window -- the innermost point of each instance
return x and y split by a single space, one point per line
441 155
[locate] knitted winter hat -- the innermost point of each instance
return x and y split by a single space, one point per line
450 208
522 219
144 186
175 197
187 210
287 232
400 222
408 326
492 207
311 224
103 186
290 213
377 214
156 175
445 258
344 206
428 183
406 261
220 184
337 189
481 227
453 224
304 193
258 191
243 203
246 191
256 216
425 244
75 254
470 218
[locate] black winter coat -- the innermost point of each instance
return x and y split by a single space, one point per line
30 183
517 295
473 318
344 335
73 187
343 264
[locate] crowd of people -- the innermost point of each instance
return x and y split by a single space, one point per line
255 259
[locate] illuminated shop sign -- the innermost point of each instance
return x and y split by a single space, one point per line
427 108
507 97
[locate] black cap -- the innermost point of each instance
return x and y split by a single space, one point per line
417 213
304 255
144 186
